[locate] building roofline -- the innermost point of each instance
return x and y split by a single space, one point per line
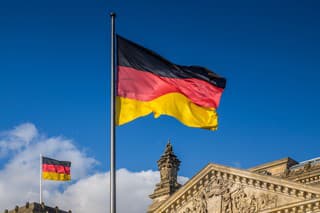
287 160
189 185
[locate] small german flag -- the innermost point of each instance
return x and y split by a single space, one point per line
147 83
55 170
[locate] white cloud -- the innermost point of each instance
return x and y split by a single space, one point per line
19 176
17 138
92 194
26 132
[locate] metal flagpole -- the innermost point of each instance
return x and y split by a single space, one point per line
40 178
112 124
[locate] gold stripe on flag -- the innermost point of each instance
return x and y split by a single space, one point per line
55 176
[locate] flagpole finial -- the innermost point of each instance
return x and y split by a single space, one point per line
113 14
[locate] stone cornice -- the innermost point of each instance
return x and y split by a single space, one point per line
269 183
287 160
307 177
302 206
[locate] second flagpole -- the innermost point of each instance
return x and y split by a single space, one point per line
112 121
40 179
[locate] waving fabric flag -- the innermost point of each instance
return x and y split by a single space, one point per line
55 170
148 83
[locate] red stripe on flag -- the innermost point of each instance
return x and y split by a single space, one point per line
146 86
56 168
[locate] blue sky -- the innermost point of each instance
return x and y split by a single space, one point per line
54 65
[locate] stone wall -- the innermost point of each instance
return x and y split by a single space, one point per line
36 208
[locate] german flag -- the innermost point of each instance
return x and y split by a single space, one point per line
55 170
148 83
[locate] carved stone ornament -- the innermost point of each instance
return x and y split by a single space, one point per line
233 198
308 167
187 210
217 186
200 203
264 172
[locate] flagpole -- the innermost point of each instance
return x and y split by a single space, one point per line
112 121
40 178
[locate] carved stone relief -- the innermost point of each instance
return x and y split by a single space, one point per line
200 203
233 198
217 186
187 210
242 202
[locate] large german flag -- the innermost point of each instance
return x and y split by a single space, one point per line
55 170
148 83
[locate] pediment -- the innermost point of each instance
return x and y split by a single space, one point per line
218 188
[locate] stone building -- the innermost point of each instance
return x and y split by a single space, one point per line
281 186
36 208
